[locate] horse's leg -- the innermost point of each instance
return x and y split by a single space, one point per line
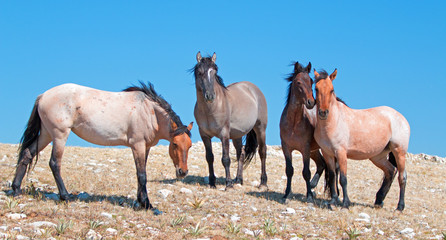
261 140
226 160
331 168
400 157
29 153
341 156
209 158
56 161
238 144
320 167
306 173
289 169
384 164
140 154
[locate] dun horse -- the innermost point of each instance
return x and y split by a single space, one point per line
380 134
137 117
229 113
297 128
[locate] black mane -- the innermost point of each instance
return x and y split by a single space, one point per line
207 63
298 68
150 93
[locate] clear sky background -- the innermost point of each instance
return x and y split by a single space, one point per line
387 53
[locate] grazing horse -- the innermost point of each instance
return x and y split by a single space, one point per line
137 117
229 113
297 128
380 134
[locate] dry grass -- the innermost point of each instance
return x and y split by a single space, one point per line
244 212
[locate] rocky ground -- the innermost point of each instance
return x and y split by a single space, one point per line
103 180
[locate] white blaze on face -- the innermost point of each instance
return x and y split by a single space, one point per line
209 74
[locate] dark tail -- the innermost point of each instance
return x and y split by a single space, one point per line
31 133
392 159
250 147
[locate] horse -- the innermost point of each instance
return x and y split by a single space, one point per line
297 127
137 118
229 112
380 134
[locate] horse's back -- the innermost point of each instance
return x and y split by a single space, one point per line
248 105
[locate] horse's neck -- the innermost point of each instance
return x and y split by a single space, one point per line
163 122
295 110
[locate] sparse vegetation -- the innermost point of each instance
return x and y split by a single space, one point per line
233 228
197 202
107 177
63 226
197 230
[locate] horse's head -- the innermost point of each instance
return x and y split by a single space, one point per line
324 92
205 72
302 84
180 144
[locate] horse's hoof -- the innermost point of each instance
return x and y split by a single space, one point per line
156 212
310 199
238 181
379 205
400 208
212 186
263 187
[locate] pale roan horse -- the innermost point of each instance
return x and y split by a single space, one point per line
137 117
380 134
297 127
229 113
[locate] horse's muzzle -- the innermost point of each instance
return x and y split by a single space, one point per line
181 174
323 114
209 97
310 103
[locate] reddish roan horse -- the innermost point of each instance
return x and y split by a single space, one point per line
137 117
380 134
297 128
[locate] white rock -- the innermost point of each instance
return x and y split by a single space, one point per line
42 224
407 231
185 190
364 215
164 193
21 237
4 235
289 211
248 232
380 232
92 235
235 218
254 209
284 178
15 216
107 215
255 183
17 229
362 220
4 228
112 231
296 238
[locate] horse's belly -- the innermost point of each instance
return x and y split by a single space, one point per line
103 136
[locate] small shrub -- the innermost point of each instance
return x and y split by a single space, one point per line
11 203
197 230
197 203
177 221
62 226
93 224
269 227
444 235
352 232
233 228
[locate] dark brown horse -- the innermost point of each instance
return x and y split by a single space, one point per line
297 128
137 117
229 113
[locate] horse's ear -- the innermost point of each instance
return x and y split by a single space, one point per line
296 67
173 125
333 75
308 68
189 127
198 56
214 57
316 74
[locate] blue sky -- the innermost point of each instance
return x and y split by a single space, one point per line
387 53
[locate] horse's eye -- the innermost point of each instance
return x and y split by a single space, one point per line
174 145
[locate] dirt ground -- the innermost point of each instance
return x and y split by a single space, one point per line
104 182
